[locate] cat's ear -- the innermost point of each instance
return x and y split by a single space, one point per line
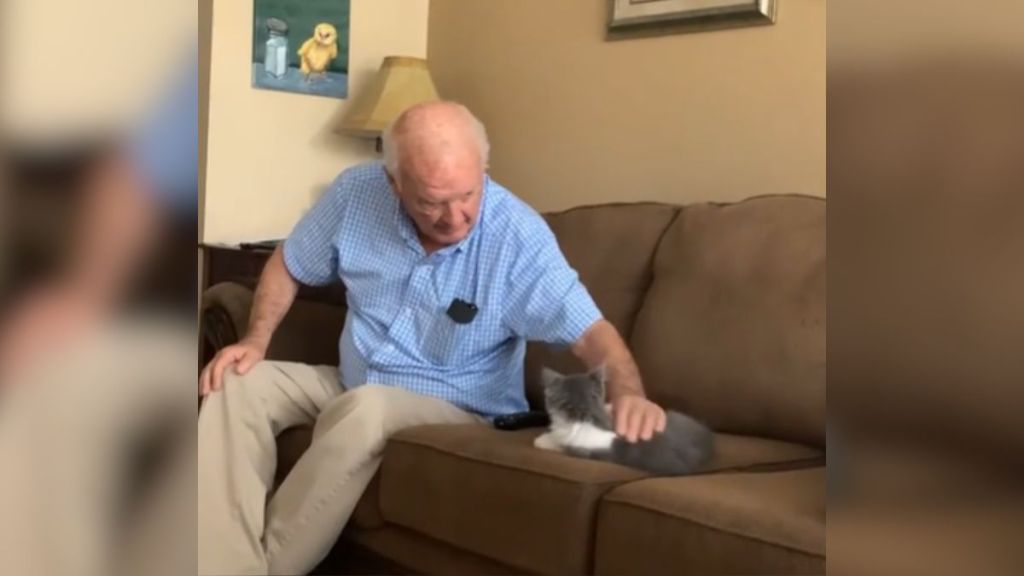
549 376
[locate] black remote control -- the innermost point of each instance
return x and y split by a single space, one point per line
520 420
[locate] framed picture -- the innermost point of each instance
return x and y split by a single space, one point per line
301 46
628 18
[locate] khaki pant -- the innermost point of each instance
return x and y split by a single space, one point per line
72 500
240 531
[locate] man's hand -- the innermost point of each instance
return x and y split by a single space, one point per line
637 417
274 296
243 356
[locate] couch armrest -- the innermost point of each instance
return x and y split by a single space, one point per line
224 315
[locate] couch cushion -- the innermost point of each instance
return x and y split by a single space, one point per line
733 326
770 523
414 553
749 453
483 490
492 493
611 246
732 453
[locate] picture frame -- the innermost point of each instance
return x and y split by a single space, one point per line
301 46
632 18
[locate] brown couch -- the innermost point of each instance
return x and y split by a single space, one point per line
724 308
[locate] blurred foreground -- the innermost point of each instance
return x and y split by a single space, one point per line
925 284
97 288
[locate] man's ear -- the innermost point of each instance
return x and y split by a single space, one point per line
549 376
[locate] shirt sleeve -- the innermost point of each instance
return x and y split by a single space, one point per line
310 251
165 149
546 301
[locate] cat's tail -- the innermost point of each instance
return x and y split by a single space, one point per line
683 448
695 442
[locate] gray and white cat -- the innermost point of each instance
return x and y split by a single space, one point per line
581 426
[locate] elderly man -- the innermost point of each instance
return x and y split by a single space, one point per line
448 275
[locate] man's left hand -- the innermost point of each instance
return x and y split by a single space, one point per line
636 417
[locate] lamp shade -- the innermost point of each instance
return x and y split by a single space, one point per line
401 82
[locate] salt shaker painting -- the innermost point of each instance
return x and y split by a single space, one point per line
301 46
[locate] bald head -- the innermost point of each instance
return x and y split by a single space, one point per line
435 155
434 133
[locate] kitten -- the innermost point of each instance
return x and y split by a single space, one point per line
581 426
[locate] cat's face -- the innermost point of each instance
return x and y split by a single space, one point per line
573 396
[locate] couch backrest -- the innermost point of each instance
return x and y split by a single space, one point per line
732 328
723 307
611 246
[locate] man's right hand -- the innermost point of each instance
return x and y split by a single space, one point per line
243 356
275 293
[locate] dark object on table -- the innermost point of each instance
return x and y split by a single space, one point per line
520 420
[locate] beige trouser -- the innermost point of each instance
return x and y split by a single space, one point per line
240 532
72 501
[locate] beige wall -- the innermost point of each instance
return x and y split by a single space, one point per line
573 119
270 154
77 70
577 120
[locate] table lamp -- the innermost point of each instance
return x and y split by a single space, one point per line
401 82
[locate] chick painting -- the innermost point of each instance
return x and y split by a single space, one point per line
301 46
316 54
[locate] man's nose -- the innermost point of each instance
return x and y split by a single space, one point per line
451 213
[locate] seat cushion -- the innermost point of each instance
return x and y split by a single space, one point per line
484 490
732 329
749 523
732 453
415 553
735 453
492 493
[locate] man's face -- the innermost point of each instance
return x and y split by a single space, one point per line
443 200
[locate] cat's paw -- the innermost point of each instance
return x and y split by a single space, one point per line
546 442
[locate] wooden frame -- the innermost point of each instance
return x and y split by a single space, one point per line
630 18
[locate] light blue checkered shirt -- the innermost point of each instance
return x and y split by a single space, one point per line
398 332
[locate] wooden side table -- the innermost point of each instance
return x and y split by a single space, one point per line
224 263
243 265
